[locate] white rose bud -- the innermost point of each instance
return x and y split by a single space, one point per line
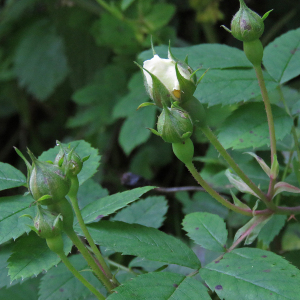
168 80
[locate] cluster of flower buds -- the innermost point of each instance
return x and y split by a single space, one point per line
49 183
247 26
171 84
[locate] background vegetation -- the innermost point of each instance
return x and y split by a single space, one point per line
67 73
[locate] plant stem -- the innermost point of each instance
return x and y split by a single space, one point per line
79 276
213 139
214 194
90 260
267 103
73 197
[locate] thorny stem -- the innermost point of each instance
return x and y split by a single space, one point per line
267 103
213 139
214 194
88 257
68 264
74 201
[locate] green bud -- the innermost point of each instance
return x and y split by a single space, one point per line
246 24
184 151
196 111
174 125
48 224
69 160
47 179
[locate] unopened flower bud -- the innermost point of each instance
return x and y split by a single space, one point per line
47 224
246 24
169 80
69 160
174 125
47 179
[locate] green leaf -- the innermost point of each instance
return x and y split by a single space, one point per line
134 130
4 256
148 212
253 130
11 223
89 192
201 202
147 242
64 285
109 204
28 290
207 230
203 55
159 16
40 69
32 256
10 177
254 274
137 95
282 56
271 229
230 86
238 202
291 237
147 265
161 286
83 149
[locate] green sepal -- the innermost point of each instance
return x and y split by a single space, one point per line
187 87
154 131
49 162
201 75
85 158
33 228
255 207
27 216
266 14
152 46
28 165
186 135
145 104
45 197
161 95
227 29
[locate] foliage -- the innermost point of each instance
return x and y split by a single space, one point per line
67 73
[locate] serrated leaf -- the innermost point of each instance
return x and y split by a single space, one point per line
207 230
232 86
25 291
201 202
83 149
109 204
89 192
204 55
40 62
147 265
148 212
282 56
255 273
60 283
10 177
161 286
5 252
31 256
11 223
134 130
147 242
253 130
271 229
291 237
